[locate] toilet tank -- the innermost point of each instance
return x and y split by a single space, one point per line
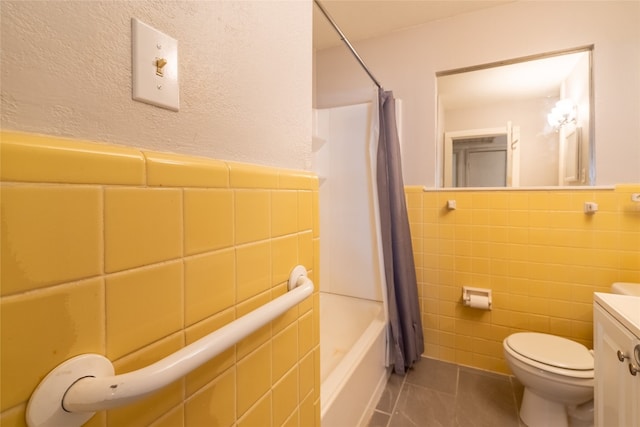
626 288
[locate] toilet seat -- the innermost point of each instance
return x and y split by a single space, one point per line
551 353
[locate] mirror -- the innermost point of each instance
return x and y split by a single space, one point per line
525 122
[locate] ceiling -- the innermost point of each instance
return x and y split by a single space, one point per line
360 20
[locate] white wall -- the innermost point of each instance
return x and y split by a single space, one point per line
245 76
349 254
406 62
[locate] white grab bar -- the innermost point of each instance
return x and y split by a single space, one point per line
72 392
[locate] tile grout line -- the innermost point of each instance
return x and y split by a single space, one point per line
390 414
457 377
455 395
395 404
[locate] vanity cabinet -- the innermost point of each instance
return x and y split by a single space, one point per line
617 389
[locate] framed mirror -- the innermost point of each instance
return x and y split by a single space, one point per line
543 106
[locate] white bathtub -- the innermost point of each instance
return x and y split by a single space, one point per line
352 359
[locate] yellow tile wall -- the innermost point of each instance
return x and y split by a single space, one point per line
136 254
542 256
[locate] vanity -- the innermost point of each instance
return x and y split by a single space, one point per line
617 359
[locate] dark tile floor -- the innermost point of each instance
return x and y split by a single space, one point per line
436 393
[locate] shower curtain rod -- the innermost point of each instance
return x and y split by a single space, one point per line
346 41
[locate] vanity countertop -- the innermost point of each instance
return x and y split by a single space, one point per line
624 308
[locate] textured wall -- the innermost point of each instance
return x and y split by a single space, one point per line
245 76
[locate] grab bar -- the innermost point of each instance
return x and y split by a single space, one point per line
72 392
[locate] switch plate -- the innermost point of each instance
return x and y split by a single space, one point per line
148 46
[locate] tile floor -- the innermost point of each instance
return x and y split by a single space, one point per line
436 393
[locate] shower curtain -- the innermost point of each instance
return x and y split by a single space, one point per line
406 343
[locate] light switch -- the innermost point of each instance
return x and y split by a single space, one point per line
154 66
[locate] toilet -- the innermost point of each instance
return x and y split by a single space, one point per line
557 375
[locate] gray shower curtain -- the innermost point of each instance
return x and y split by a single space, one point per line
402 292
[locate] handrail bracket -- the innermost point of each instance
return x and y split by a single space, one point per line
45 407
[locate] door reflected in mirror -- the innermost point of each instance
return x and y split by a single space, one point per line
482 157
572 171
526 122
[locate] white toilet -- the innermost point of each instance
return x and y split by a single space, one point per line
557 374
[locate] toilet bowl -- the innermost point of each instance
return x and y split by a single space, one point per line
556 373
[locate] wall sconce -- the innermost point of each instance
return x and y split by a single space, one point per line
563 113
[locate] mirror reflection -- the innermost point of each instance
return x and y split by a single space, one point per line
519 123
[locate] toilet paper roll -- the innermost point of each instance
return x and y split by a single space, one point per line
479 301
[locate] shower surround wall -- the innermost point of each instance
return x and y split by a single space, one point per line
542 256
353 317
135 254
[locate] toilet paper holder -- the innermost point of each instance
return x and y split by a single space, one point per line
476 297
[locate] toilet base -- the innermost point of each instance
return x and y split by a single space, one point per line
581 415
537 411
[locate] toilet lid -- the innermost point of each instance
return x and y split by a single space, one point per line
552 350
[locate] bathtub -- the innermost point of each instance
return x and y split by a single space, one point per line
352 359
